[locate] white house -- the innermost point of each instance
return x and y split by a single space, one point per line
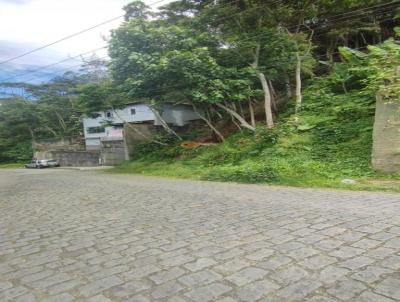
95 129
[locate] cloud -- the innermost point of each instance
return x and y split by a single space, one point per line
15 1
46 21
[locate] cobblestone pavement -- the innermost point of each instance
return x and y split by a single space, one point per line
84 236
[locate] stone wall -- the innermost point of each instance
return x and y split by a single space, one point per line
113 152
68 143
386 145
71 158
138 133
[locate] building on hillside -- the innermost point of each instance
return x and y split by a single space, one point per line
135 113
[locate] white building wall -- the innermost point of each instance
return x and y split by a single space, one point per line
178 115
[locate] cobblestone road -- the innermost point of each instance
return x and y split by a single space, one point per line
81 236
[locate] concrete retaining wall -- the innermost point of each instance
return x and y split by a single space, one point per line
71 158
386 146
113 152
138 133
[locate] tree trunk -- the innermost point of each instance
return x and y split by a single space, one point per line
267 100
299 96
209 124
164 123
274 96
252 116
288 87
238 117
232 117
32 133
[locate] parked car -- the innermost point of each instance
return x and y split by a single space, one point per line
43 163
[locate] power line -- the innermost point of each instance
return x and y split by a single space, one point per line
54 64
64 70
350 15
69 36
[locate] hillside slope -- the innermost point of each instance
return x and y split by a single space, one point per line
330 140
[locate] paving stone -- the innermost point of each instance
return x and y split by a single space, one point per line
256 290
331 274
231 266
25 298
366 243
99 286
175 261
141 271
369 296
227 299
50 281
199 278
319 298
167 275
63 287
380 252
94 237
247 275
393 243
299 290
328 244
5 285
275 262
389 287
208 293
371 274
357 262
347 289
166 290
346 252
129 288
138 298
200 264
289 275
12 293
317 262
60 298
392 262
302 253
99 298
260 254
36 276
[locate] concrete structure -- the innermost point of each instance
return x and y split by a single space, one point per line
95 131
113 152
70 152
386 146
69 158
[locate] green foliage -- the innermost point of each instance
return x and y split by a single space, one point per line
331 139
162 147
20 152
248 173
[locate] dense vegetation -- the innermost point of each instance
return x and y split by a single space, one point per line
288 87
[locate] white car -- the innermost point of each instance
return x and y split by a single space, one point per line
44 163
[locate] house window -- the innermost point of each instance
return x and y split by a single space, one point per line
93 130
109 114
96 115
133 111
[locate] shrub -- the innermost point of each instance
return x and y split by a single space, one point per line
249 173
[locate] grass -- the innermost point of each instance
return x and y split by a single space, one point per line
11 165
186 170
329 141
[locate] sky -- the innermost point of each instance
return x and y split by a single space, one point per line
29 24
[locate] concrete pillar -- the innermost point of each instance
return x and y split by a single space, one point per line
386 137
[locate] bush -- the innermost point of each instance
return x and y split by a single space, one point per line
248 173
